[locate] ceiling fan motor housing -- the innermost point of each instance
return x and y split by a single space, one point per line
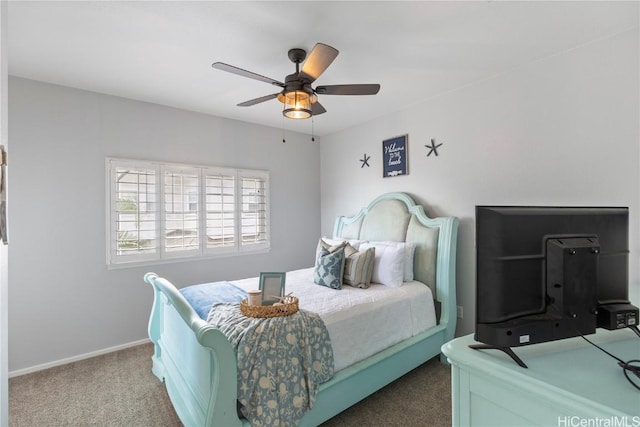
297 55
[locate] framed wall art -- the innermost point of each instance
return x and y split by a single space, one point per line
394 156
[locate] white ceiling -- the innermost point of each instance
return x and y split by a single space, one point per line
162 51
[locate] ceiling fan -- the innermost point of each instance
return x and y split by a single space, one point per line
299 98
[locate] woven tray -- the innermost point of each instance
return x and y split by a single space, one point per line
289 306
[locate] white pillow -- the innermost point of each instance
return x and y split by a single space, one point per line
409 251
388 265
333 242
337 240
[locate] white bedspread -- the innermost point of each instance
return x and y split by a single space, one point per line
361 322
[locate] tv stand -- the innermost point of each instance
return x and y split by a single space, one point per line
569 382
505 349
635 329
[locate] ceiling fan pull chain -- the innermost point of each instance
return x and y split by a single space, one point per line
312 131
283 139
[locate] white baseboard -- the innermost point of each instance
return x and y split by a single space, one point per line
60 362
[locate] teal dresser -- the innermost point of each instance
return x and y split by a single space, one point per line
568 383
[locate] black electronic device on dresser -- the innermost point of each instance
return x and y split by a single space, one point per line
549 273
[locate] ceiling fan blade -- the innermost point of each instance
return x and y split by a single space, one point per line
257 100
320 57
317 108
363 89
244 73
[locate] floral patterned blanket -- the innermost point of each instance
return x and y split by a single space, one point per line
281 362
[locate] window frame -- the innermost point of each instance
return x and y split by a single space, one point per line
161 255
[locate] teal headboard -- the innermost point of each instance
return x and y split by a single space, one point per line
396 217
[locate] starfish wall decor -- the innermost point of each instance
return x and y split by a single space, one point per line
365 161
433 147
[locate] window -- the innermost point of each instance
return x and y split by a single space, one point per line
161 211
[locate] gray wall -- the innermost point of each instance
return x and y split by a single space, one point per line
560 131
63 301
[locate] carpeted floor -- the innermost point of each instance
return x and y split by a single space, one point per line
118 389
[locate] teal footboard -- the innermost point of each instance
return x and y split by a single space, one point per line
195 360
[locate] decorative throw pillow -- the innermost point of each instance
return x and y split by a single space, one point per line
330 245
358 267
388 266
329 268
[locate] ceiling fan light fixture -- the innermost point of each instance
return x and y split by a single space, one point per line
297 104
299 98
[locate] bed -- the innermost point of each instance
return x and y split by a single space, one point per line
198 363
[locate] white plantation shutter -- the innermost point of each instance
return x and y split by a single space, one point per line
181 211
220 204
254 229
133 230
159 211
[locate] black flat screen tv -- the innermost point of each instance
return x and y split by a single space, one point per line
543 273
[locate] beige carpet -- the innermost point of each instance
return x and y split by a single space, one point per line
118 389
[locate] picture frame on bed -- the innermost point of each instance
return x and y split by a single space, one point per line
272 286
